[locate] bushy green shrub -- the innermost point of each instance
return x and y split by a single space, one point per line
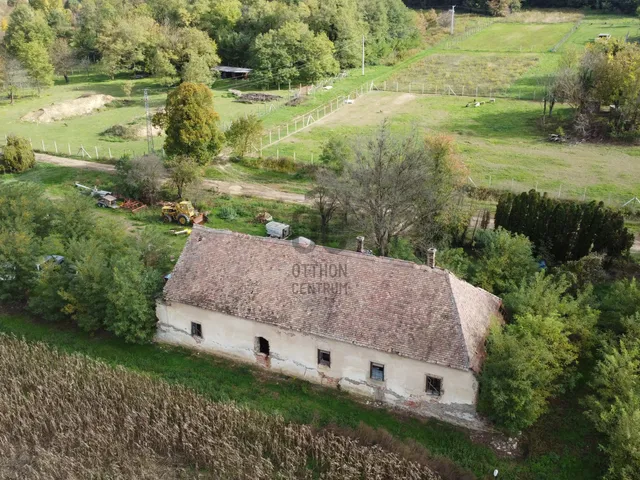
227 213
17 155
504 261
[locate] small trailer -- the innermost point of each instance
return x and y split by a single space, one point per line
278 230
108 201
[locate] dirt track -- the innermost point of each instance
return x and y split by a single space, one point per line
231 188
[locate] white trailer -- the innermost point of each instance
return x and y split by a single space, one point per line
278 230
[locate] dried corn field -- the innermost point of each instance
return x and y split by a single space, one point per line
67 416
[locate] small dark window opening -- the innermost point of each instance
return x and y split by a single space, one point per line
196 329
324 358
434 385
377 372
263 345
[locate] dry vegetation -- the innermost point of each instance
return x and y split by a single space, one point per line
544 16
67 416
468 70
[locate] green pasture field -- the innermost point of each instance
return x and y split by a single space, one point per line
516 37
501 143
593 25
86 130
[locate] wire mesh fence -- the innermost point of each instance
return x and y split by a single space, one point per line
279 132
83 151
491 186
470 90
452 42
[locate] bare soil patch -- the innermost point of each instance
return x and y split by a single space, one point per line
370 110
83 105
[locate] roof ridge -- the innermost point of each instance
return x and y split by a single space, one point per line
459 320
333 251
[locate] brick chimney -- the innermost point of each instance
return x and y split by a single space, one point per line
431 257
360 244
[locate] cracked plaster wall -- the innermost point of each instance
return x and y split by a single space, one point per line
295 354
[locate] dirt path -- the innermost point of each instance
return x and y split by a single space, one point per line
230 188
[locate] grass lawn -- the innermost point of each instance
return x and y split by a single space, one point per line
567 455
593 25
86 130
515 37
500 143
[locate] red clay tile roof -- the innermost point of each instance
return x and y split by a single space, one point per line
390 305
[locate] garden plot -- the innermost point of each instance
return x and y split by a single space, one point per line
516 37
486 71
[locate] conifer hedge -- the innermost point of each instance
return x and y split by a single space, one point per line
566 230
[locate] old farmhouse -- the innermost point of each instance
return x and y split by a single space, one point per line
396 332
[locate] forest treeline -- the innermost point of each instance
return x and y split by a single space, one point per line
283 40
499 7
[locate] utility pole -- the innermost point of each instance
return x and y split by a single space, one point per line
363 55
149 128
453 16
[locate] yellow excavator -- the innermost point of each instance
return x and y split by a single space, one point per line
183 213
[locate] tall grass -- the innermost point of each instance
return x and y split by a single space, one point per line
67 416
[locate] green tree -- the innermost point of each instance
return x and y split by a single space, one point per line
293 53
244 133
26 26
45 300
140 178
191 123
85 297
455 260
546 294
131 307
521 372
24 207
62 57
19 252
17 155
125 42
35 58
183 172
196 70
14 76
614 407
504 261
336 152
621 300
343 24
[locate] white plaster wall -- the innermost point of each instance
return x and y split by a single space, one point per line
295 354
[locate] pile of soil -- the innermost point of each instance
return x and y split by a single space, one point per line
83 105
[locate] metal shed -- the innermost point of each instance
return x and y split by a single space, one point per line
233 72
